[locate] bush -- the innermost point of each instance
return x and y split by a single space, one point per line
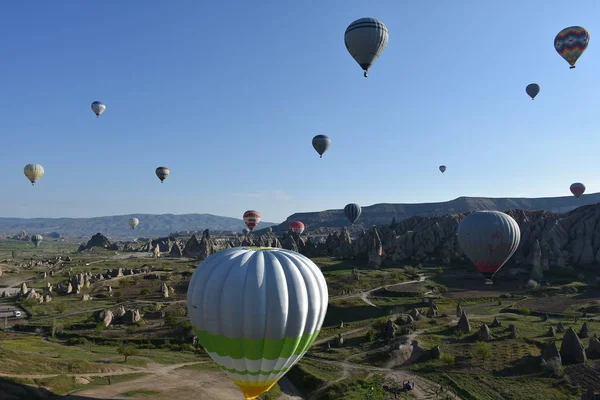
77 340
171 320
145 292
533 285
371 335
447 358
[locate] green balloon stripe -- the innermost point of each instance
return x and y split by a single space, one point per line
255 349
246 372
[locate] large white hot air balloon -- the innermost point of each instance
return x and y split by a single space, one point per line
133 222
489 239
256 311
365 40
33 172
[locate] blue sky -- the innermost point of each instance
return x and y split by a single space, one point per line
229 94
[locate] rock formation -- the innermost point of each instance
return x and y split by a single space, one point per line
496 323
484 333
431 313
98 240
551 332
513 332
176 250
560 328
459 311
594 347
390 329
131 316
551 355
436 352
463 323
584 331
572 349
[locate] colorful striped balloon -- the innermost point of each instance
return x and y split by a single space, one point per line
251 219
571 42
256 311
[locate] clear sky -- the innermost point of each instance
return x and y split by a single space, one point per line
228 95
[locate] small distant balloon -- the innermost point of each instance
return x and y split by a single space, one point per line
33 172
162 173
98 108
352 212
571 42
297 227
321 143
251 219
37 239
442 168
532 90
270 229
245 231
133 222
365 40
577 189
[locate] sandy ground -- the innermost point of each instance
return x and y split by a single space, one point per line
172 384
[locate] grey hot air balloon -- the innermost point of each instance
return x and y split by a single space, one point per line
269 230
365 40
489 239
532 90
352 212
37 239
442 168
98 108
245 231
321 143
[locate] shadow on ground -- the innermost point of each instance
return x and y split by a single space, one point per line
18 391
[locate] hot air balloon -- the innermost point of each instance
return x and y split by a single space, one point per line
270 230
245 231
37 239
352 212
532 90
251 219
162 173
133 222
571 42
297 227
577 189
365 40
489 239
98 108
321 143
256 311
442 168
33 172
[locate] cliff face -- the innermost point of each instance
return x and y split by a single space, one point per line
382 214
546 239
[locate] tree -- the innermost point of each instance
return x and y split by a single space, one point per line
483 350
127 350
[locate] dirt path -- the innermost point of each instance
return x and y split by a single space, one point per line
171 382
366 293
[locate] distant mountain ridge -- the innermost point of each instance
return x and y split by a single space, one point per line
116 226
383 213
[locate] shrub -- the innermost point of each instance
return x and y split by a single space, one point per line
145 292
533 285
447 358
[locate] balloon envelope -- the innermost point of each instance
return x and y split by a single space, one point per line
321 143
577 189
297 227
365 40
571 42
442 168
37 239
98 108
162 173
133 222
488 239
256 311
532 90
33 172
251 219
352 212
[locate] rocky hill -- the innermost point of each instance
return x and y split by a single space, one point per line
117 227
382 214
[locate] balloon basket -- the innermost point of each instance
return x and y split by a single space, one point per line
489 282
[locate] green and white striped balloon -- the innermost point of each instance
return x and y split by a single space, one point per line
256 311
